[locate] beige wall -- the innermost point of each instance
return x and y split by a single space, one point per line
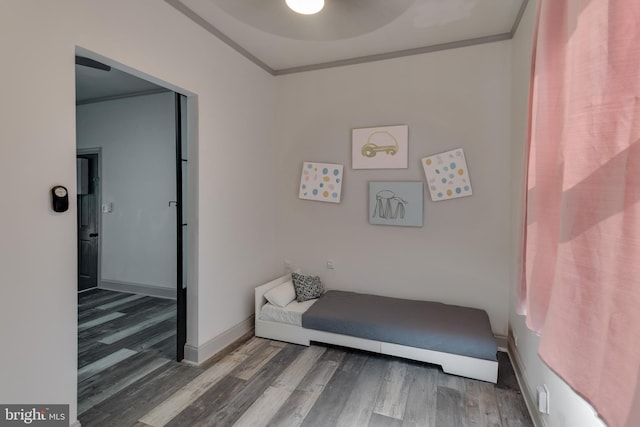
449 99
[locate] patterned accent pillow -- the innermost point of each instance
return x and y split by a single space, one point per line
307 287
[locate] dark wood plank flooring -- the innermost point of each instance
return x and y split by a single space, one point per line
121 339
135 381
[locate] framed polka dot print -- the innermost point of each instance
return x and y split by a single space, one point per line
321 182
447 175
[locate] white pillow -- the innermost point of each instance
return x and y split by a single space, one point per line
282 294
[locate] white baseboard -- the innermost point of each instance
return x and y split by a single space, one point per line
137 288
523 382
502 342
198 355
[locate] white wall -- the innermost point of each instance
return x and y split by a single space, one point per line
449 99
137 138
232 241
567 408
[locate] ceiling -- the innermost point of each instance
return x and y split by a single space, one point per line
350 31
93 85
344 32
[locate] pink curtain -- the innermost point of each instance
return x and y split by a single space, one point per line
581 287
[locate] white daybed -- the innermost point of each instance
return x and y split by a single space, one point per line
285 324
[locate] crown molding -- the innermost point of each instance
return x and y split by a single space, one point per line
189 13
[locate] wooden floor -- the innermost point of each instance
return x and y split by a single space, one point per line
134 381
121 338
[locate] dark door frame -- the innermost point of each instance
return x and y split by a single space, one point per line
181 290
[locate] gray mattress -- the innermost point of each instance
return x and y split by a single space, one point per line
430 325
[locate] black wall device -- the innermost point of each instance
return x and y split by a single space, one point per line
59 198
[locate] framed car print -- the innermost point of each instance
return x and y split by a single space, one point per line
384 147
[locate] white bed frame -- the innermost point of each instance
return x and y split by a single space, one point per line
480 369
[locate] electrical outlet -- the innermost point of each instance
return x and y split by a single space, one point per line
330 264
287 265
543 398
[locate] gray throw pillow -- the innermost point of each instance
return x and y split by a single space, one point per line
307 287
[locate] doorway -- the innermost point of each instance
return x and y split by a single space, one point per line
99 84
132 164
88 199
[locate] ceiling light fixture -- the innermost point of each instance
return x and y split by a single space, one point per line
306 7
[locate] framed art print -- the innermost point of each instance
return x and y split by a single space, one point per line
447 175
380 148
396 203
321 182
